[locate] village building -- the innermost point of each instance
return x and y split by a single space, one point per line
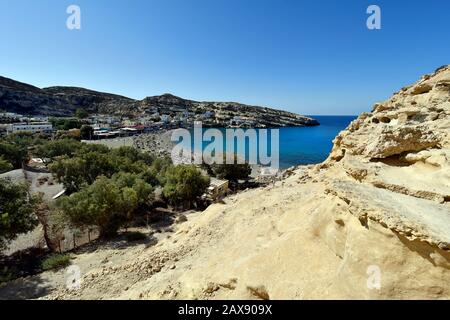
36 127
218 189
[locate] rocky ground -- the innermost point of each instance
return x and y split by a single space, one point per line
158 143
378 207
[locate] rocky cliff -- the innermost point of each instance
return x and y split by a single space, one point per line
63 101
372 222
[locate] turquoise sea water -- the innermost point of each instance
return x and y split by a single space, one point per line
304 145
310 145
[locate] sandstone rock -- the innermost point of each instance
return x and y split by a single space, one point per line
394 141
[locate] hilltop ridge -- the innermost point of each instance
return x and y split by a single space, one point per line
64 101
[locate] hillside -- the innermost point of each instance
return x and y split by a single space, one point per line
63 101
379 203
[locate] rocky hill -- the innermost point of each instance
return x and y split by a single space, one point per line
63 101
371 222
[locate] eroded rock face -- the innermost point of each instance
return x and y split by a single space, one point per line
415 119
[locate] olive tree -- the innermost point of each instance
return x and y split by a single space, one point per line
108 203
184 184
16 211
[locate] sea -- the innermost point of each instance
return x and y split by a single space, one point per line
310 145
304 145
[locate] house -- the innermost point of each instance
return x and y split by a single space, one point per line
217 189
129 131
37 127
208 114
165 118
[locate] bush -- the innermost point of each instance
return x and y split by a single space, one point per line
144 191
14 154
5 165
87 132
81 113
135 236
92 161
56 262
103 204
233 171
184 184
16 211
53 149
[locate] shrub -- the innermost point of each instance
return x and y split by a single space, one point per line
16 211
233 171
5 165
56 262
102 204
91 161
81 113
184 184
144 191
53 149
13 153
87 132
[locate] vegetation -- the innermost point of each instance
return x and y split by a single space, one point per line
184 184
65 123
84 163
14 154
86 132
51 150
232 172
144 191
81 113
56 262
105 187
5 165
16 211
103 204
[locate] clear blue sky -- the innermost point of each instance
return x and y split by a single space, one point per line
306 56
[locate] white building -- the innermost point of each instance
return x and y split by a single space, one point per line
43 127
165 118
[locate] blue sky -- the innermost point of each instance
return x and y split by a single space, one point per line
307 56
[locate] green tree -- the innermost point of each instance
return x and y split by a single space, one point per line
87 132
73 172
233 171
81 113
133 154
155 173
92 161
102 204
16 211
57 148
144 191
14 153
5 165
71 124
184 184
